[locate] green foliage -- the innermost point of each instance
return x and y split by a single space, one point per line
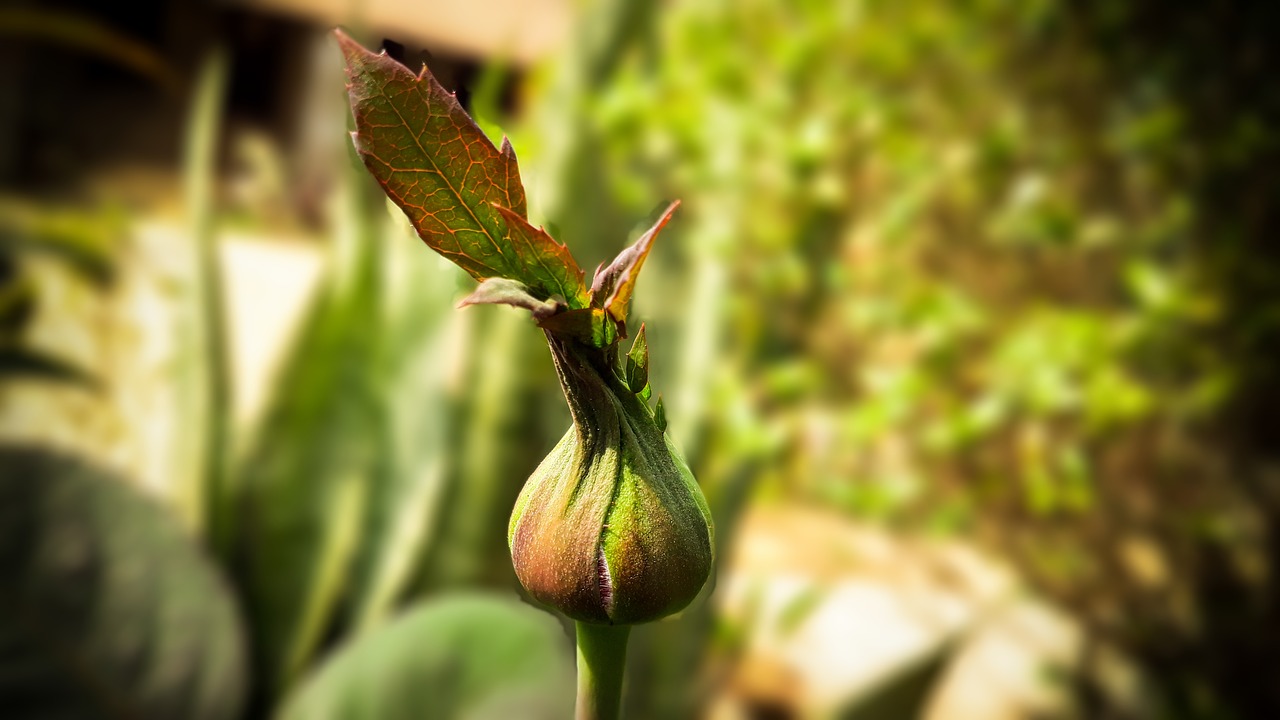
335 495
935 267
206 376
941 275
331 507
463 655
108 609
302 486
636 374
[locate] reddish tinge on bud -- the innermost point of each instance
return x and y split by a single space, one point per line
611 527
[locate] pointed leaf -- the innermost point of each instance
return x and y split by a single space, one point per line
660 415
546 261
638 363
510 292
440 168
611 288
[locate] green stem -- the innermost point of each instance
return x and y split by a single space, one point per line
602 655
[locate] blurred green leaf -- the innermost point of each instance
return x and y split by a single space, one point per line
418 338
84 240
206 382
799 608
469 656
319 451
109 611
496 443
19 362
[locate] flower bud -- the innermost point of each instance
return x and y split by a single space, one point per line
611 527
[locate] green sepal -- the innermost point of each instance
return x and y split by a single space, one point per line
637 371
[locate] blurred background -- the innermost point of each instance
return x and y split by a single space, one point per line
967 326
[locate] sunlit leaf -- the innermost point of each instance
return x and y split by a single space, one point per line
462 194
612 286
545 259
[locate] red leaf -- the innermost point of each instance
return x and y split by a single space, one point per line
459 191
612 287
545 257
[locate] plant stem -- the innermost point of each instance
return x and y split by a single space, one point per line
602 655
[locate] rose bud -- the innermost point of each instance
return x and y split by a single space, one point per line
611 527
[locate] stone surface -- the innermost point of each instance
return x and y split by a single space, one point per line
830 610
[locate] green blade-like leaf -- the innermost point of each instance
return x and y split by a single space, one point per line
313 465
107 610
612 286
440 168
461 656
406 500
206 365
